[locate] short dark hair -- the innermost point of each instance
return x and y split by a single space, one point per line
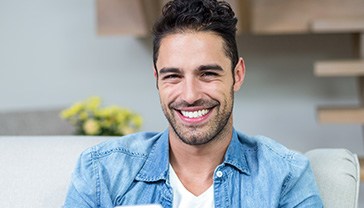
179 16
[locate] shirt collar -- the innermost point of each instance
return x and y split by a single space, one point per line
236 154
156 166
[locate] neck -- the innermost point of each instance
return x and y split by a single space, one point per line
195 164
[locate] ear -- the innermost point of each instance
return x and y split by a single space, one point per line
156 77
239 73
155 73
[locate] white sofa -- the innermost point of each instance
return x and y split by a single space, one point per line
35 171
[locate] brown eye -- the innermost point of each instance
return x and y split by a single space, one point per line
172 76
209 74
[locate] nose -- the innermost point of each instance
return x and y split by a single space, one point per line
191 90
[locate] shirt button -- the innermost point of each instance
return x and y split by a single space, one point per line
219 174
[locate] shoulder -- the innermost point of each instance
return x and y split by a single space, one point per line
135 145
130 149
295 159
269 152
116 161
290 170
122 156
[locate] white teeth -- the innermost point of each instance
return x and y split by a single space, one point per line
194 114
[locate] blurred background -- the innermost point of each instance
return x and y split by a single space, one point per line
52 55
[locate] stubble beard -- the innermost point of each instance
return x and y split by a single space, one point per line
206 133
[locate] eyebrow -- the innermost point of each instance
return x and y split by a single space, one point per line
200 68
169 70
210 67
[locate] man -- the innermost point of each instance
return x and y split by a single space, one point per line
200 160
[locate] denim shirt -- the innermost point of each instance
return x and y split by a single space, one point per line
256 172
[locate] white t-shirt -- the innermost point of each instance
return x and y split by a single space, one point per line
182 198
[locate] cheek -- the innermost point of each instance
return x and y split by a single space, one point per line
224 95
217 94
167 94
217 89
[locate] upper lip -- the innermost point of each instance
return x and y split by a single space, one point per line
191 109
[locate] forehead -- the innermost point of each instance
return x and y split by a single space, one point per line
191 48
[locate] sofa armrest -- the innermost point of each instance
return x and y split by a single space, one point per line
36 170
337 173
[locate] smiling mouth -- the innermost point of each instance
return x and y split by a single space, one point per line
195 114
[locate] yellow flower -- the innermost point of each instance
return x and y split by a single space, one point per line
125 130
105 112
122 115
92 103
91 127
83 116
72 111
105 123
89 118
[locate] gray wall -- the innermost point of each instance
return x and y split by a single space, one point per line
51 57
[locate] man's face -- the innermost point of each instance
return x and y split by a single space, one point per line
196 86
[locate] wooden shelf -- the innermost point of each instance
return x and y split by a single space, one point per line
342 24
297 16
361 162
339 68
341 115
136 17
126 17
